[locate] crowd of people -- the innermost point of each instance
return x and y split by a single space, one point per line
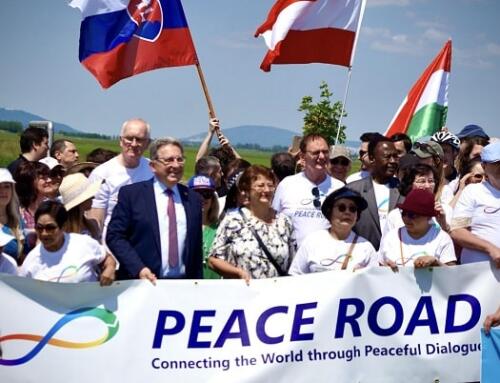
429 203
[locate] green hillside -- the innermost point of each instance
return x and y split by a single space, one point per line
9 150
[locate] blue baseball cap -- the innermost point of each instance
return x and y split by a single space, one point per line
472 131
201 182
491 153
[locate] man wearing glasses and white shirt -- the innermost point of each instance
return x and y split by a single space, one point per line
300 196
126 168
155 230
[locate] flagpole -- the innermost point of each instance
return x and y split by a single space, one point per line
343 103
211 110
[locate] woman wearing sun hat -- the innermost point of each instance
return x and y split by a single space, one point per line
76 193
336 248
419 242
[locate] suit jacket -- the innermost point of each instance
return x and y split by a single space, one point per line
133 235
368 225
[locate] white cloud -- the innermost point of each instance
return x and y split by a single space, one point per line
493 49
383 3
436 35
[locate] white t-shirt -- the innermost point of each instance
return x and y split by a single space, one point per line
382 195
479 204
7 264
435 242
321 252
115 175
395 221
357 176
295 199
76 261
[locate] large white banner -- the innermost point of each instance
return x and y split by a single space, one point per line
370 326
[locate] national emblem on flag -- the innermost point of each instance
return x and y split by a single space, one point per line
122 38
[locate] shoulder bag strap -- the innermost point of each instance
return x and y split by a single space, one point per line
401 246
349 253
264 248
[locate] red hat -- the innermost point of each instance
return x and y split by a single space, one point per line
419 201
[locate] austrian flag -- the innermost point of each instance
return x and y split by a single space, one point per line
311 31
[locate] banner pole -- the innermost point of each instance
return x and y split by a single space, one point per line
343 104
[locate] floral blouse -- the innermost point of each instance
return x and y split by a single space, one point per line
236 244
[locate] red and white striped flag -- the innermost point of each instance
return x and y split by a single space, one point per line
311 31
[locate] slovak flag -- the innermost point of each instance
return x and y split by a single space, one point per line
122 38
311 31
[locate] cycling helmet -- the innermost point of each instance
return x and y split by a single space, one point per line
444 137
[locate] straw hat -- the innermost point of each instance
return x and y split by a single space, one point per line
76 188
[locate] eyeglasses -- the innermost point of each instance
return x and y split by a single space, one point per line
316 202
422 181
316 153
342 161
342 208
478 176
129 140
261 187
50 228
409 214
170 160
206 194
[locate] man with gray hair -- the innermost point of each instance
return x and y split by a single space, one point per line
156 227
126 168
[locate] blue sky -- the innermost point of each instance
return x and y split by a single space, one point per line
40 71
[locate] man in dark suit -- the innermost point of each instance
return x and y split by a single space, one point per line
380 189
156 227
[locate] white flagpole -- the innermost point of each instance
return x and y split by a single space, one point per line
343 104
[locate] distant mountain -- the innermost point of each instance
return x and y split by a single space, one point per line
265 136
25 117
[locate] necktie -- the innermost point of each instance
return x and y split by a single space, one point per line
173 249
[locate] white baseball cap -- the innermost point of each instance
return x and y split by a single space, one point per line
5 176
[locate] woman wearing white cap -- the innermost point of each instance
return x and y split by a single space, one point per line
10 220
7 263
77 193
476 217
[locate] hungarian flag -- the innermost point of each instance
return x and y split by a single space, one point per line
311 31
122 38
423 111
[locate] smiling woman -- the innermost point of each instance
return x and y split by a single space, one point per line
337 248
255 241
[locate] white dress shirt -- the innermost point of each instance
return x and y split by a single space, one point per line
161 199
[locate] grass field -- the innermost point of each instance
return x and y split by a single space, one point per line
9 151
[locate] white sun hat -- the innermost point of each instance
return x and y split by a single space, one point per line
5 176
76 188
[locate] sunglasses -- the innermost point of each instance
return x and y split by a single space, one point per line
342 208
340 161
362 153
206 194
316 194
409 214
50 228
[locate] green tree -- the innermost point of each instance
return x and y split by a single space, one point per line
323 117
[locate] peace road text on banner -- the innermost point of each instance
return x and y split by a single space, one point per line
373 325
